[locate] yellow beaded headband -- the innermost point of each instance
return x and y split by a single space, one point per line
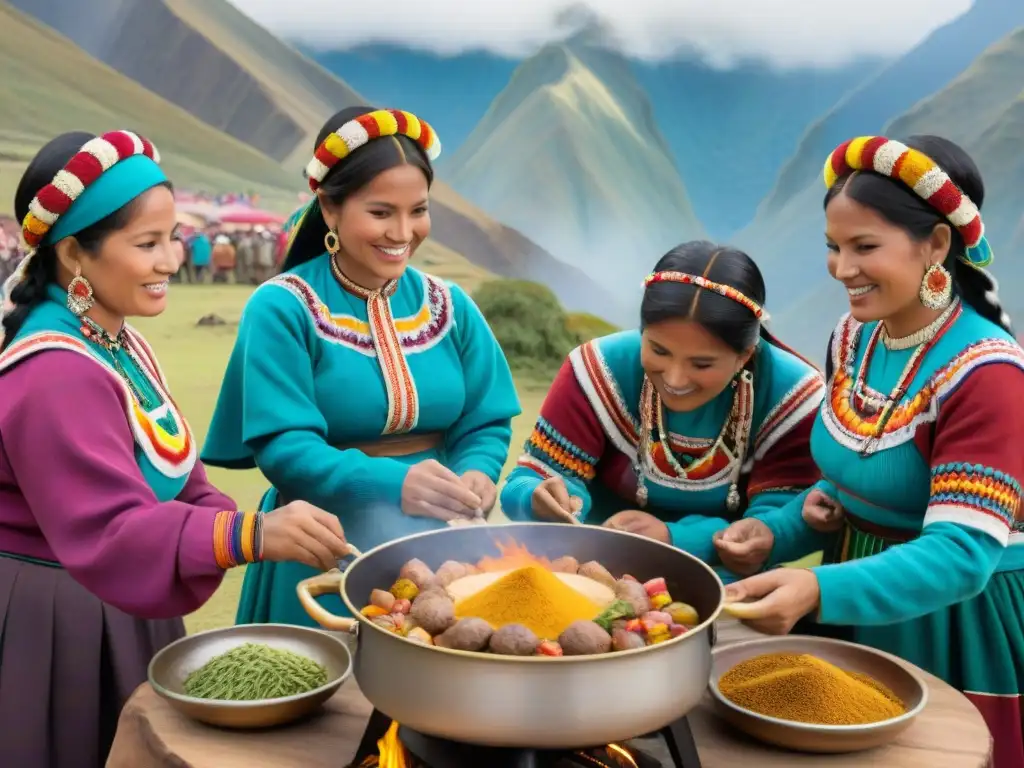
357 132
924 177
708 285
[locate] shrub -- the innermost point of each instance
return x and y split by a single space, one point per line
528 322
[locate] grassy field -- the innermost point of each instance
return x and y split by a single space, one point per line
194 358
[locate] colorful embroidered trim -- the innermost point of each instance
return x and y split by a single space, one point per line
173 455
416 333
237 538
549 446
978 488
850 426
355 133
604 396
403 400
709 285
801 401
96 156
923 175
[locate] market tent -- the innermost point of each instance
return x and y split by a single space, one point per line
243 214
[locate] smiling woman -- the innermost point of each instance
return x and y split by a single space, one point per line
919 439
357 382
699 419
109 529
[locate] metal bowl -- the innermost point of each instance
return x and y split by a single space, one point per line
170 667
808 737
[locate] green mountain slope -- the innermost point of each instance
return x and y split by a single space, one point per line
50 86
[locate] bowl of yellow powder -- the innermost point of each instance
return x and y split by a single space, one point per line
812 694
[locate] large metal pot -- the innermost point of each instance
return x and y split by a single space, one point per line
537 702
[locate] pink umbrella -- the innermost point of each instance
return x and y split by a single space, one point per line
243 214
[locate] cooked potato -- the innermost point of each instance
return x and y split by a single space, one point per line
417 572
633 593
465 635
565 565
434 612
449 571
514 640
594 570
584 638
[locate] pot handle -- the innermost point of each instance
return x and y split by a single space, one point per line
324 584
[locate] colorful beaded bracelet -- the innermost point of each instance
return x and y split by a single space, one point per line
237 538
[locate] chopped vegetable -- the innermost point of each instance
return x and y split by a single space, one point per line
549 648
620 609
659 633
660 600
401 606
655 586
404 589
682 613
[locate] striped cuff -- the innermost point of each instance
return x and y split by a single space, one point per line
237 538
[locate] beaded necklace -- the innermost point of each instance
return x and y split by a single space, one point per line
886 407
732 440
97 334
357 290
896 343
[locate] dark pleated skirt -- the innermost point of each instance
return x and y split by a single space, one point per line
68 663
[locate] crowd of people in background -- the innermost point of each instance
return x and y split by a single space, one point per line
247 256
211 254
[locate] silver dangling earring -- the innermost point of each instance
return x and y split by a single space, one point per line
936 291
331 242
80 298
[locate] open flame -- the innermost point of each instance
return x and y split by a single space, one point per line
393 754
513 556
622 756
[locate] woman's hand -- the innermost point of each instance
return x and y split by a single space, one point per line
744 547
780 598
482 486
640 523
823 513
552 503
432 490
303 533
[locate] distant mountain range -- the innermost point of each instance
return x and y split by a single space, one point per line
232 108
575 167
747 144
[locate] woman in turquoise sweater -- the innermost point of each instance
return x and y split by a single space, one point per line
358 383
919 438
676 430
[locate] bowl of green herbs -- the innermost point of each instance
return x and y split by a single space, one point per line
251 675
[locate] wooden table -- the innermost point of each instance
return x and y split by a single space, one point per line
950 733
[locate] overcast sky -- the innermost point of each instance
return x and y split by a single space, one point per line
787 33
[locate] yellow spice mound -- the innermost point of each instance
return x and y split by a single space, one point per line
806 689
532 596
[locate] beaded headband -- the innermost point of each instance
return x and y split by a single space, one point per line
923 175
345 140
94 158
702 282
50 215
